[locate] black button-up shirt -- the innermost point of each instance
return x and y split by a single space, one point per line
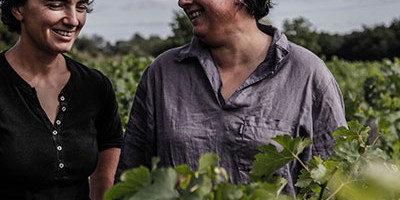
41 159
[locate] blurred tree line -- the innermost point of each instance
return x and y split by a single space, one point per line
371 43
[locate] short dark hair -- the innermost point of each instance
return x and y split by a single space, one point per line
8 18
258 8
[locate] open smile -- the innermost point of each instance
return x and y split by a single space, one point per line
194 15
63 33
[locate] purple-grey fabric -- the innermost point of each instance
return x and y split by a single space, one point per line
179 114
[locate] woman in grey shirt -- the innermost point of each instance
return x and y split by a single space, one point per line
235 86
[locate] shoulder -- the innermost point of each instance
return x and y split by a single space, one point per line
89 78
169 56
302 56
308 63
83 71
294 56
307 66
166 63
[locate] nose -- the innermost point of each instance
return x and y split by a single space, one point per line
71 17
183 3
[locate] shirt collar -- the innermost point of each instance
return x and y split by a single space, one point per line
196 48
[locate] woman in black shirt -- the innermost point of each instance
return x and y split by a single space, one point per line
59 121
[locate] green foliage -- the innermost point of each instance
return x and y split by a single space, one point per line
371 92
299 31
209 181
372 43
140 184
356 170
181 29
94 45
125 73
271 159
7 39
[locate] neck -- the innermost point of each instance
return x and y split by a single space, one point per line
34 62
248 48
36 67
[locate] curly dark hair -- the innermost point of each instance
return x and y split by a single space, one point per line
8 18
258 8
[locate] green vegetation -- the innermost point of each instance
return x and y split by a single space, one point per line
357 170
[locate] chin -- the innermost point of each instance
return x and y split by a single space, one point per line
65 49
197 33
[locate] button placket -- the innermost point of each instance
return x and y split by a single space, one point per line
56 131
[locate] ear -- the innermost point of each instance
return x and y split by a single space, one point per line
17 11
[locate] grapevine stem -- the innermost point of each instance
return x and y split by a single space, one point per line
336 191
324 186
376 139
301 163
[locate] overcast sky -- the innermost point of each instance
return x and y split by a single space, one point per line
120 19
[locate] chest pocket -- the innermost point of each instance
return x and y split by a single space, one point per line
260 131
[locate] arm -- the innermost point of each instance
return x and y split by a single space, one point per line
109 139
138 144
103 176
329 115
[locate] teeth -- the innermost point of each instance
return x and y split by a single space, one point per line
64 33
193 15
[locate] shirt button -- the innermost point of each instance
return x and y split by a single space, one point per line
61 165
63 108
58 122
55 132
62 98
59 148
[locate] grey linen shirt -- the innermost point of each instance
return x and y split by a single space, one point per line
179 114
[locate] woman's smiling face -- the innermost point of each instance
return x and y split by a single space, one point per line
210 17
51 25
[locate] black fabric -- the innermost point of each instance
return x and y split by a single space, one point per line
46 161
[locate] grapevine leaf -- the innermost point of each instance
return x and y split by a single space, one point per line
198 189
304 179
356 131
294 146
161 187
346 152
183 169
186 175
228 191
132 181
267 190
319 172
348 157
270 160
199 185
375 154
206 162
